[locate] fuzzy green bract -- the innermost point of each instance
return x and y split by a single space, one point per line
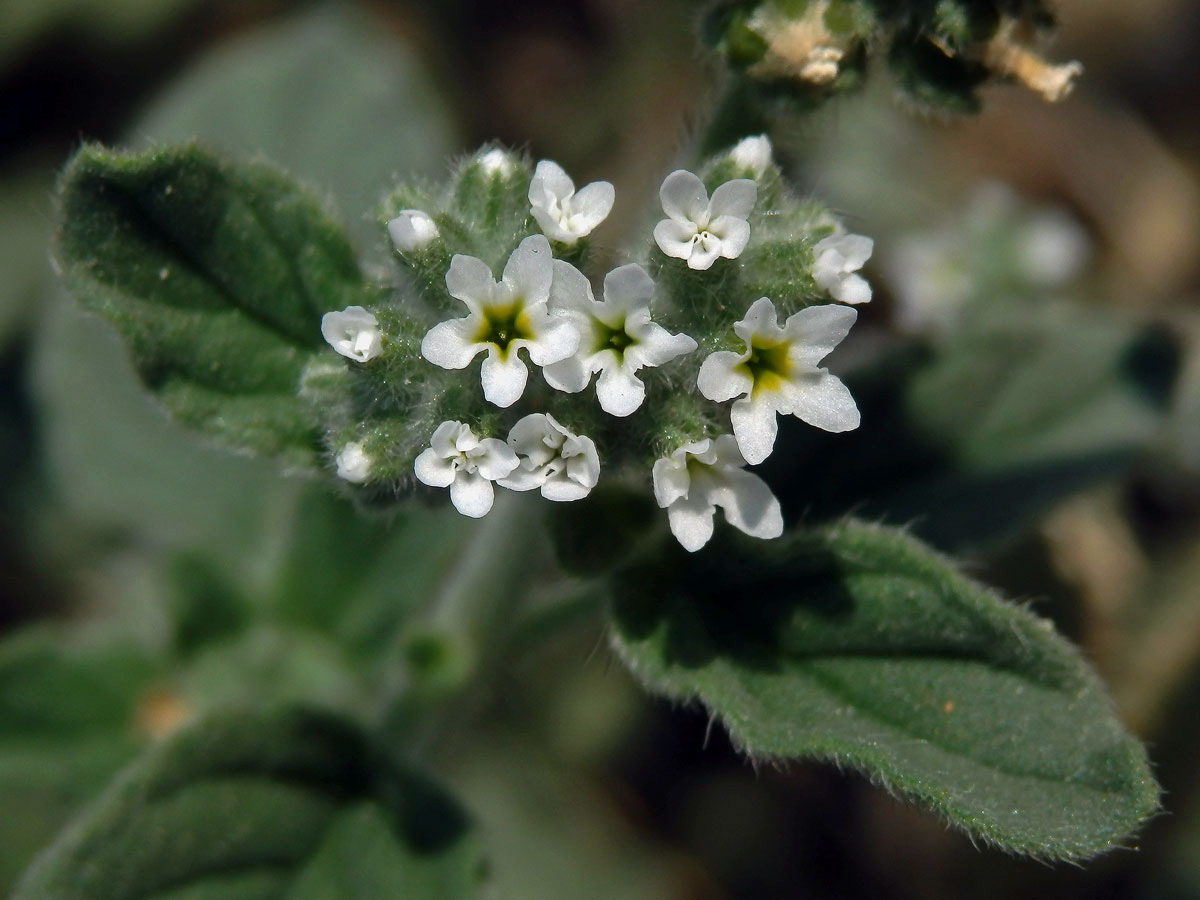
858 645
217 276
263 805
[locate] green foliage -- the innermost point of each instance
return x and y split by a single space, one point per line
859 646
68 720
987 431
217 276
263 805
262 95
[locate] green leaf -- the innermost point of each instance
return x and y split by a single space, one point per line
858 645
68 721
260 94
986 432
266 805
217 276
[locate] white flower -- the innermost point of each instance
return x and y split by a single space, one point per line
563 464
696 478
616 336
564 214
457 459
505 316
353 463
836 259
753 155
700 230
777 373
352 332
497 162
412 229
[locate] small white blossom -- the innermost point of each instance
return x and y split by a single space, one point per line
457 459
697 478
698 229
564 214
412 229
505 316
353 463
777 373
352 332
497 162
753 155
836 259
616 336
563 464
1052 247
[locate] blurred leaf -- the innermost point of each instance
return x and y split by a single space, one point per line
984 432
259 806
205 606
24 229
273 665
68 720
217 275
858 645
551 833
25 21
368 101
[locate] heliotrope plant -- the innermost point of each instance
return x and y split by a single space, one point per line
662 379
466 364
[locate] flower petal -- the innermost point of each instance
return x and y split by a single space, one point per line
684 198
412 229
556 337
562 489
816 330
445 438
433 469
855 249
552 226
725 453
472 495
619 392
691 521
470 280
549 179
494 459
590 207
734 198
749 504
674 239
523 479
533 436
568 375
852 289
671 480
734 234
655 345
451 344
705 252
755 426
529 270
628 287
720 379
569 289
823 401
503 378
761 320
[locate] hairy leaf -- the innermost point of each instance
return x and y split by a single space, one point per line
858 645
268 805
216 275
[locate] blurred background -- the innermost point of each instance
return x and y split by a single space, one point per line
145 576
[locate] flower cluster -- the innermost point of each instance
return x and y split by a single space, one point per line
699 281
